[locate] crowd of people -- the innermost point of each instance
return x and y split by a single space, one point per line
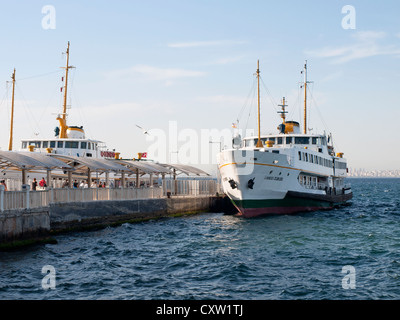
42 184
84 184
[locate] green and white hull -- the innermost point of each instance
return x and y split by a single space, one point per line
263 181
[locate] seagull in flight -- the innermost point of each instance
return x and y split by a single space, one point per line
144 130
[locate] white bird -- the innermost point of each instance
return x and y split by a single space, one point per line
144 130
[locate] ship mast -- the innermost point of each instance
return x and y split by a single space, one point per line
63 118
10 144
305 97
283 112
259 143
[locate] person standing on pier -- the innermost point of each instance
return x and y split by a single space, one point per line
65 184
3 183
43 183
34 184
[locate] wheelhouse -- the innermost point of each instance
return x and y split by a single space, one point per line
72 147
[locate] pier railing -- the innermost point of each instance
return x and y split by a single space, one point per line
36 199
191 187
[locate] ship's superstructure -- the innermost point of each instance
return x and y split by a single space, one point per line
68 140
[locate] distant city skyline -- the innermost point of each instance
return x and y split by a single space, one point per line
364 173
150 63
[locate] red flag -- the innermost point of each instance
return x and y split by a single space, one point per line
144 155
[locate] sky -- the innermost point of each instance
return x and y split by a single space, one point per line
184 71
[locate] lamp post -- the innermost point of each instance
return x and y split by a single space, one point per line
220 143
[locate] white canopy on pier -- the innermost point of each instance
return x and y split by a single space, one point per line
82 164
29 160
186 169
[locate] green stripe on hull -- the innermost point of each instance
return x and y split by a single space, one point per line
288 205
286 202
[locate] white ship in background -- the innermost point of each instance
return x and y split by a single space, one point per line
68 140
286 172
69 158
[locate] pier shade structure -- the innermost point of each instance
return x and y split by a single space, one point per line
99 179
109 191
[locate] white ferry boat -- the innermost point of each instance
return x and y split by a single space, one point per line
286 172
68 140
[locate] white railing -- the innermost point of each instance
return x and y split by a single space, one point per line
36 199
192 187
42 198
84 195
23 199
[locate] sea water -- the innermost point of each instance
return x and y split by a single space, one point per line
351 252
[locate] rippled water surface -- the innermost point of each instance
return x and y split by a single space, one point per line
215 256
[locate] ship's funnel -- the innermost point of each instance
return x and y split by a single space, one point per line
75 133
292 127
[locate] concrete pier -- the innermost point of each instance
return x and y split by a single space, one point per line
103 213
22 224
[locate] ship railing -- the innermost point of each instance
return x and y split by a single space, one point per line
337 190
319 186
345 189
322 186
311 186
347 186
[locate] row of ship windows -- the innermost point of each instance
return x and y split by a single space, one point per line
288 140
340 165
60 144
304 156
308 181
